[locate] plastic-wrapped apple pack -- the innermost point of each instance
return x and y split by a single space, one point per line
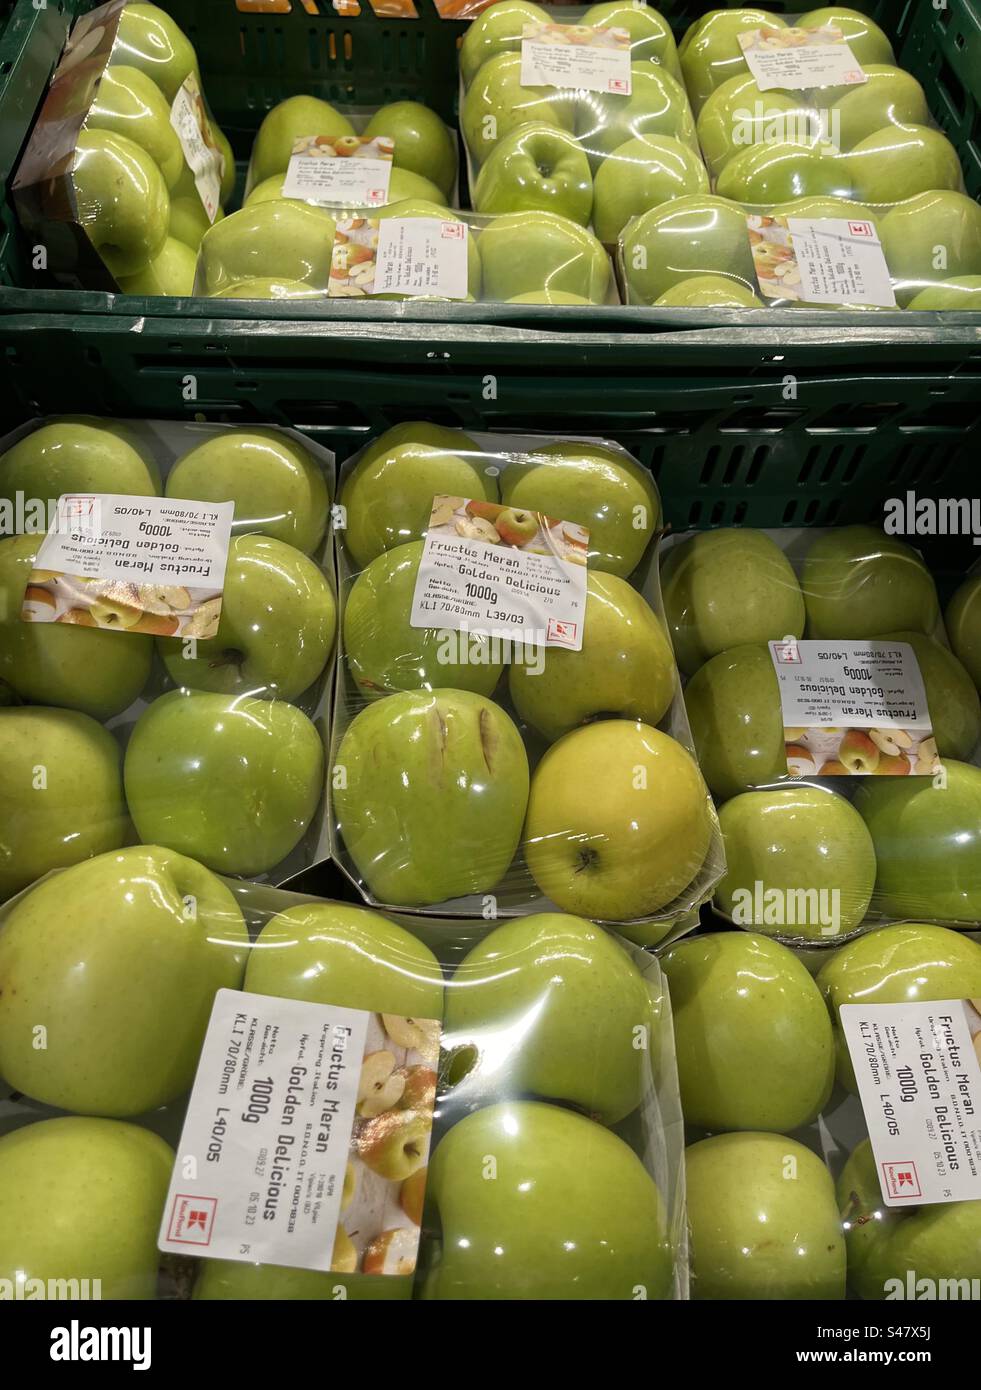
815 657
508 730
166 644
125 169
789 1063
586 118
229 1044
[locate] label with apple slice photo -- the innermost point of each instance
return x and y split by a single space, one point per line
800 59
306 1138
205 161
820 260
410 256
918 1068
502 572
576 55
340 170
149 565
854 709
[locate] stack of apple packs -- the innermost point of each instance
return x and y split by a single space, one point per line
869 152
223 761
906 846
432 800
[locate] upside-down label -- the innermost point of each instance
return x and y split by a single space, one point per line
854 709
502 572
340 170
576 55
918 1067
132 564
797 59
305 1123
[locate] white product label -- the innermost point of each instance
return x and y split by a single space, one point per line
918 1067
800 58
575 55
132 564
820 260
853 708
340 170
189 119
413 256
503 573
274 1151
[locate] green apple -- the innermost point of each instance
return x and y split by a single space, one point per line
595 486
753 1039
899 162
423 144
935 234
129 103
75 453
708 292
739 115
642 174
866 40
657 105
330 953
927 843
233 780
148 39
385 653
118 959
266 287
810 848
896 965
963 620
284 238
522 251
860 583
277 627
278 487
402 184
825 207
572 1212
888 97
955 710
779 171
226 1280
961 292
626 666
619 821
122 200
651 39
497 30
939 1242
496 103
547 296
188 219
419 207
695 235
388 497
536 167
579 1004
733 704
430 789
286 123
170 273
730 587
710 51
763 1220
96 671
81 1200
61 786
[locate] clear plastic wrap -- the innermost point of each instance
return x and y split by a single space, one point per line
529 1044
811 853
783 1191
125 168
186 713
596 156
577 786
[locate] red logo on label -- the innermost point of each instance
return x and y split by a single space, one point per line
454 230
861 229
192 1219
78 506
787 651
619 84
901 1179
558 631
